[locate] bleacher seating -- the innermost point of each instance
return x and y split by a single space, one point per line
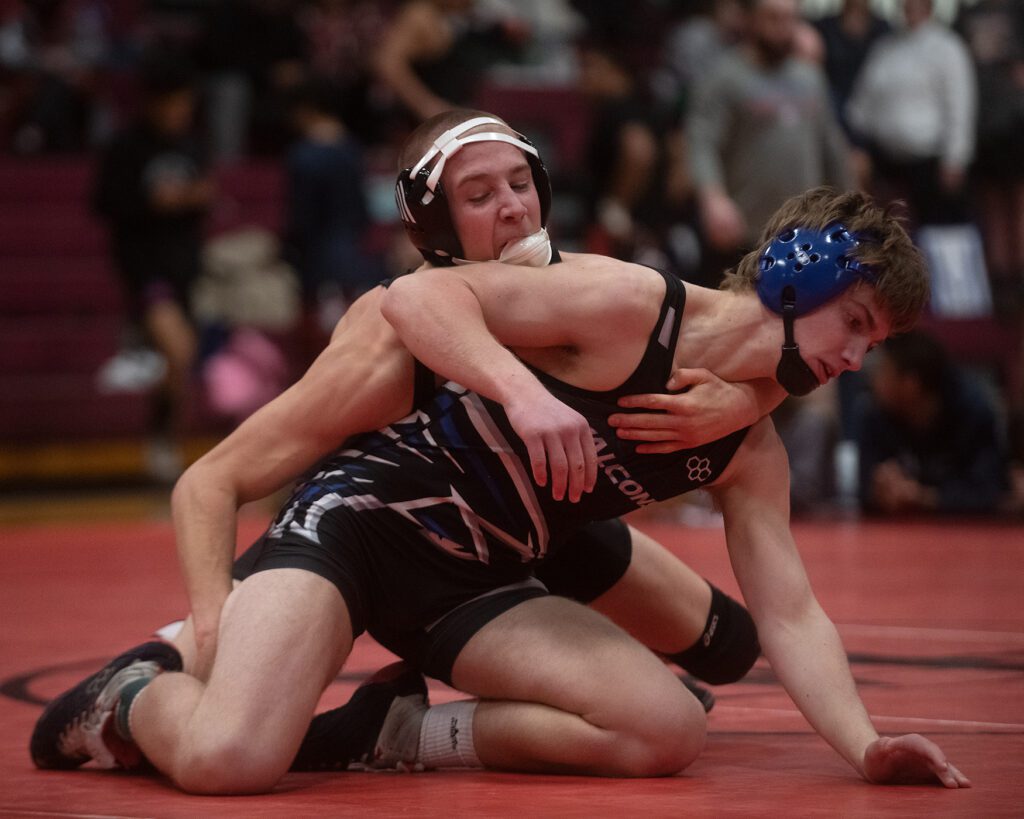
60 305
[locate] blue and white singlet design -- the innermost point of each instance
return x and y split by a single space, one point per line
454 473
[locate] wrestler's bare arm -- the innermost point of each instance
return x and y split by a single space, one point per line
708 408
799 640
361 381
465 316
695 407
458 321
583 300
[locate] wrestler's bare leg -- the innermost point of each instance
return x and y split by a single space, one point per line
565 690
283 637
659 600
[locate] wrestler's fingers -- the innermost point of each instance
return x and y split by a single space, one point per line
951 777
589 460
961 778
538 460
687 377
643 401
658 449
577 470
558 466
651 434
641 420
935 759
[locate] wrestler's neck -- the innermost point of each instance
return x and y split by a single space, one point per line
731 334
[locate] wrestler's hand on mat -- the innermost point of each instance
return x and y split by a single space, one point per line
709 409
910 759
558 439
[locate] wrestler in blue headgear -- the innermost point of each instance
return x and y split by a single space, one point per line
800 270
424 207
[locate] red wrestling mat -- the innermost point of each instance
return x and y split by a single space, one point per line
931 614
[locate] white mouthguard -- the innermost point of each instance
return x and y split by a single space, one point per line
530 251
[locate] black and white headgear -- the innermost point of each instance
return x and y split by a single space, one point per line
421 199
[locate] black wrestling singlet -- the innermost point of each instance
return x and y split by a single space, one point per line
454 473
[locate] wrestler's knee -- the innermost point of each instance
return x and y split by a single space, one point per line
230 763
728 647
664 735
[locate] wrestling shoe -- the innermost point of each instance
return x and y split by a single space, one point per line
704 695
78 725
378 729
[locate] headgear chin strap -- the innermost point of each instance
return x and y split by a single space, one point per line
800 270
793 374
423 204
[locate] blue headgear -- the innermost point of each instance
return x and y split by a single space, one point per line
800 270
816 265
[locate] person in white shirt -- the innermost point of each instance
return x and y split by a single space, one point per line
914 107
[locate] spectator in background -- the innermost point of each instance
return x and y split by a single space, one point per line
553 25
327 214
761 129
694 44
252 53
342 36
994 33
847 37
914 107
50 55
435 51
808 44
153 190
627 155
929 439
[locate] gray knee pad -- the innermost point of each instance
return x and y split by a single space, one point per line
728 647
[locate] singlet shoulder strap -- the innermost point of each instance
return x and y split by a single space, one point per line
656 363
424 381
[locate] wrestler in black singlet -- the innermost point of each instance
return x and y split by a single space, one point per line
439 509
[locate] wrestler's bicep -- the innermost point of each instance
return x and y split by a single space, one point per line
363 380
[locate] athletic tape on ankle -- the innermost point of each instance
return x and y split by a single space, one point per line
446 738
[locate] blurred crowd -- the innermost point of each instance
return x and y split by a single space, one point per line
671 130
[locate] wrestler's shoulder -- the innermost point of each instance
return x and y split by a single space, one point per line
363 330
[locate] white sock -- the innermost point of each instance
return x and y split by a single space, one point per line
170 631
446 737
